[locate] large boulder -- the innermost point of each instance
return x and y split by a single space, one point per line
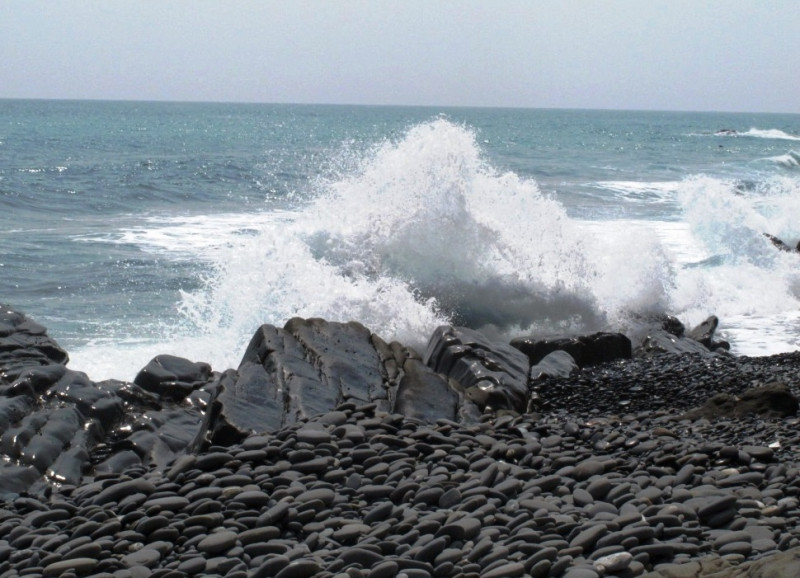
173 377
492 374
556 364
586 350
770 400
311 366
668 336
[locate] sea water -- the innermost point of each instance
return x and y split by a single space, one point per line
131 229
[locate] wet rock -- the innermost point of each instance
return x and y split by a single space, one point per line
559 363
172 377
586 350
770 400
425 395
492 374
659 341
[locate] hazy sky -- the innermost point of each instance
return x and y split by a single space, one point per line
628 54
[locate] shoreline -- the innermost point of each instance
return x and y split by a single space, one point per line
329 452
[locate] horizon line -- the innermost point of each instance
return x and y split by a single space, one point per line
375 105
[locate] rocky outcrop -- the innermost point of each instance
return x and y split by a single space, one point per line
670 338
586 350
311 366
330 451
772 400
493 375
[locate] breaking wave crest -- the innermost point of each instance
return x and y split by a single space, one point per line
423 232
772 133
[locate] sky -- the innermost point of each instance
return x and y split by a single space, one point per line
707 55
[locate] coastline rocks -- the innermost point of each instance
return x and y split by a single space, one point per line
772 400
586 350
559 363
331 453
23 344
493 375
311 366
172 377
670 338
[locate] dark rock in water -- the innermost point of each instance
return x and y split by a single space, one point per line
172 377
585 350
492 374
24 343
660 341
704 333
780 244
556 364
770 400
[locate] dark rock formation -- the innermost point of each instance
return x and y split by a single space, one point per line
668 335
780 244
772 400
493 375
23 344
173 377
329 452
660 341
556 364
310 367
586 350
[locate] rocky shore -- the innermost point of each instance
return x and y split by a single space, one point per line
329 452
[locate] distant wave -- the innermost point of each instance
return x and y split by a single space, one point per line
770 133
659 192
790 160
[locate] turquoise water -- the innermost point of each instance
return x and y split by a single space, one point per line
131 229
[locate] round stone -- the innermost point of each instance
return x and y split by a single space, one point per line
80 566
218 542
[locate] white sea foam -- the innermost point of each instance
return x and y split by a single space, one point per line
790 160
423 231
641 192
771 133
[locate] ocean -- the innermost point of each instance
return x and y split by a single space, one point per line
131 229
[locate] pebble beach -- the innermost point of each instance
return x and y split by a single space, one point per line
611 471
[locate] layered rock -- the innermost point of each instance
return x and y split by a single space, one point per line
493 375
311 366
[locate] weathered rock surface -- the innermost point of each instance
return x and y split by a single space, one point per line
670 338
586 350
493 375
310 367
770 400
559 363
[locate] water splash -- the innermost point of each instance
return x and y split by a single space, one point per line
423 231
